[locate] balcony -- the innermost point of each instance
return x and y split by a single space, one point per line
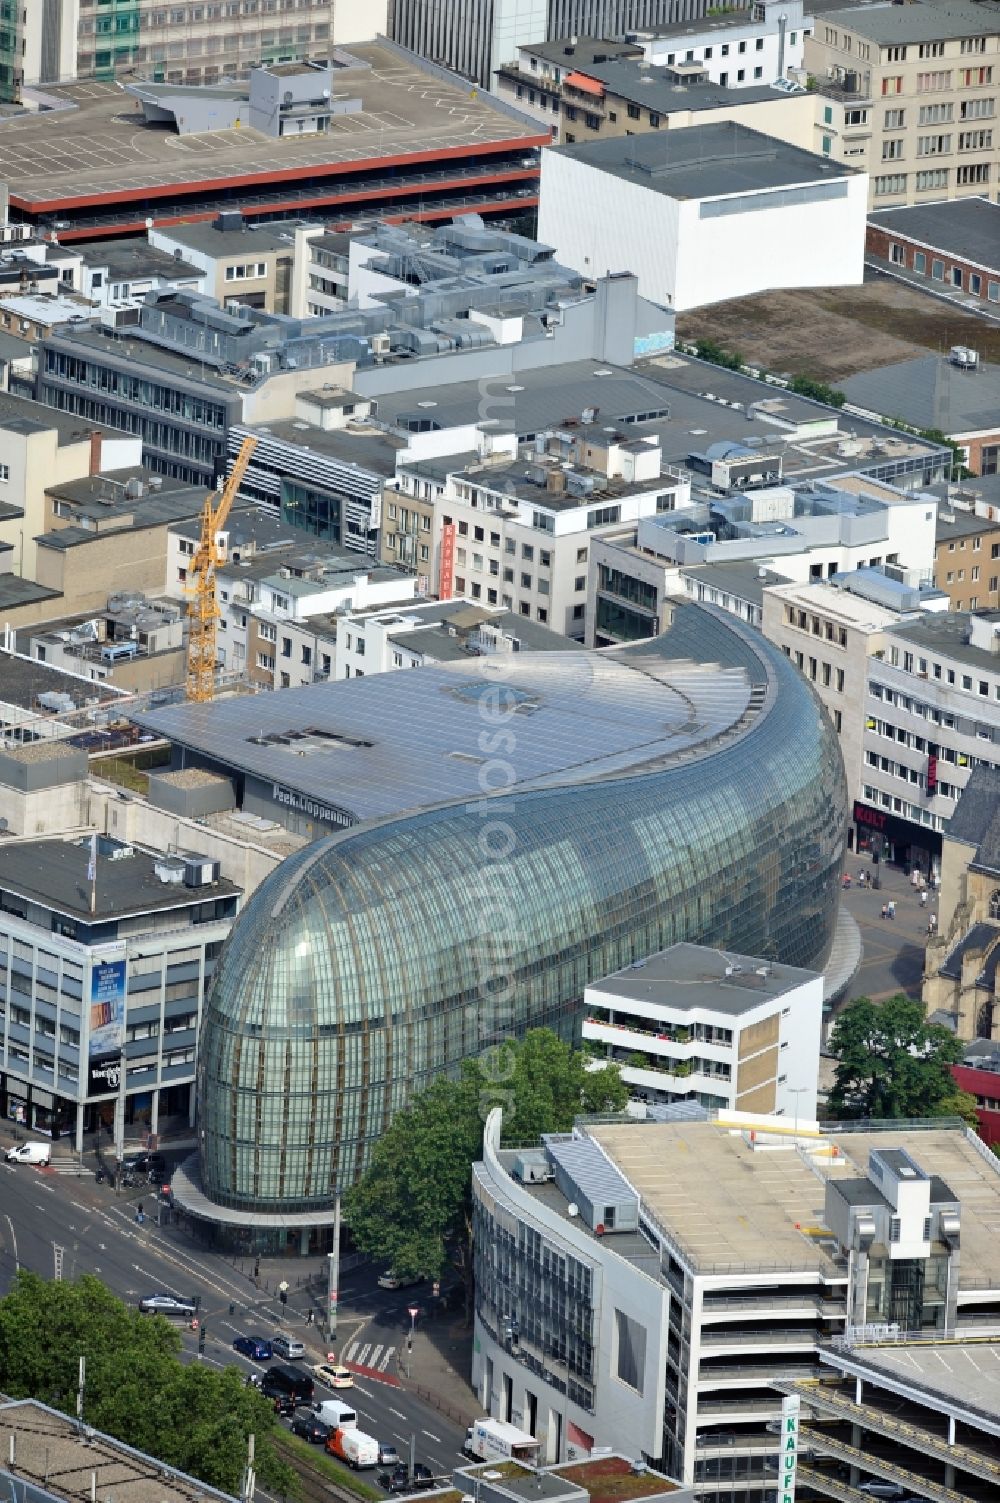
793 1339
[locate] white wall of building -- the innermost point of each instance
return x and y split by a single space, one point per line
725 51
517 22
684 258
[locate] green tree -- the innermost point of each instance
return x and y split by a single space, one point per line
414 1204
136 1387
892 1063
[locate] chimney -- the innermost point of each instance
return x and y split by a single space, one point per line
95 453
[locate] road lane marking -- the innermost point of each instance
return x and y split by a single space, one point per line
349 1354
436 1438
398 1414
13 1238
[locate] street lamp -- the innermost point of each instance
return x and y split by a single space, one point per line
796 1091
333 1273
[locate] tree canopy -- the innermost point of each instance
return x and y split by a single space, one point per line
414 1205
136 1388
892 1063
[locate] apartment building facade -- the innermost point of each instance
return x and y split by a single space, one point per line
909 94
932 715
831 633
516 532
722 1029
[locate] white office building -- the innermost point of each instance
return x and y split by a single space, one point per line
671 205
724 1030
730 47
654 1287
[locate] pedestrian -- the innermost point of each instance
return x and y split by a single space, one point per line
140 1218
311 1318
885 911
923 898
891 908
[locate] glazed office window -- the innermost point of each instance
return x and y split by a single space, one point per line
319 1025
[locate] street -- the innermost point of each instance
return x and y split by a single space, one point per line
59 1224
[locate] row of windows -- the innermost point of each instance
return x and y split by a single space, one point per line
939 82
983 108
970 175
913 812
909 775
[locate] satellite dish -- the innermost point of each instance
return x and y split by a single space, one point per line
572 1209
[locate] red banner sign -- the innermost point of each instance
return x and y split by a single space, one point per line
446 588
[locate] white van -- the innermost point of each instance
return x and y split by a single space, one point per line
339 1416
30 1153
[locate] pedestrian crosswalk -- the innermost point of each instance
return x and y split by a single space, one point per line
64 1166
369 1355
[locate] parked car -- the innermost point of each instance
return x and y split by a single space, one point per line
166 1304
876 1488
310 1428
392 1280
255 1347
287 1346
396 1481
333 1375
388 1456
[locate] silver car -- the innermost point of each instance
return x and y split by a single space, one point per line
166 1304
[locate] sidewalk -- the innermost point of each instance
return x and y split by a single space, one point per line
440 1367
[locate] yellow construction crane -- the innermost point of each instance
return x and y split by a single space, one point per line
204 611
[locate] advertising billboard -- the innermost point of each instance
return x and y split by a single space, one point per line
107 1022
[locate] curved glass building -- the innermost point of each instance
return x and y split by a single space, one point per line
690 788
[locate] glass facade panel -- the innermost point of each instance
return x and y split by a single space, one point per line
377 958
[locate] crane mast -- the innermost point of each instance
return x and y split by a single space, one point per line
203 614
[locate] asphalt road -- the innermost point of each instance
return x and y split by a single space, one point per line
43 1211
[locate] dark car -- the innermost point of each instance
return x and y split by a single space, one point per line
396 1481
166 1304
288 1382
255 1347
310 1428
284 1403
152 1165
423 1477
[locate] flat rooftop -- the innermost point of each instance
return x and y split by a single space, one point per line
917 21
930 392
742 579
729 1206
99 150
134 259
53 1457
578 52
207 237
705 161
655 89
391 742
22 680
687 977
840 605
54 873
944 633
968 227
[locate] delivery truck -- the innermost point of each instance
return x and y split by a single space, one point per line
353 1446
493 1440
